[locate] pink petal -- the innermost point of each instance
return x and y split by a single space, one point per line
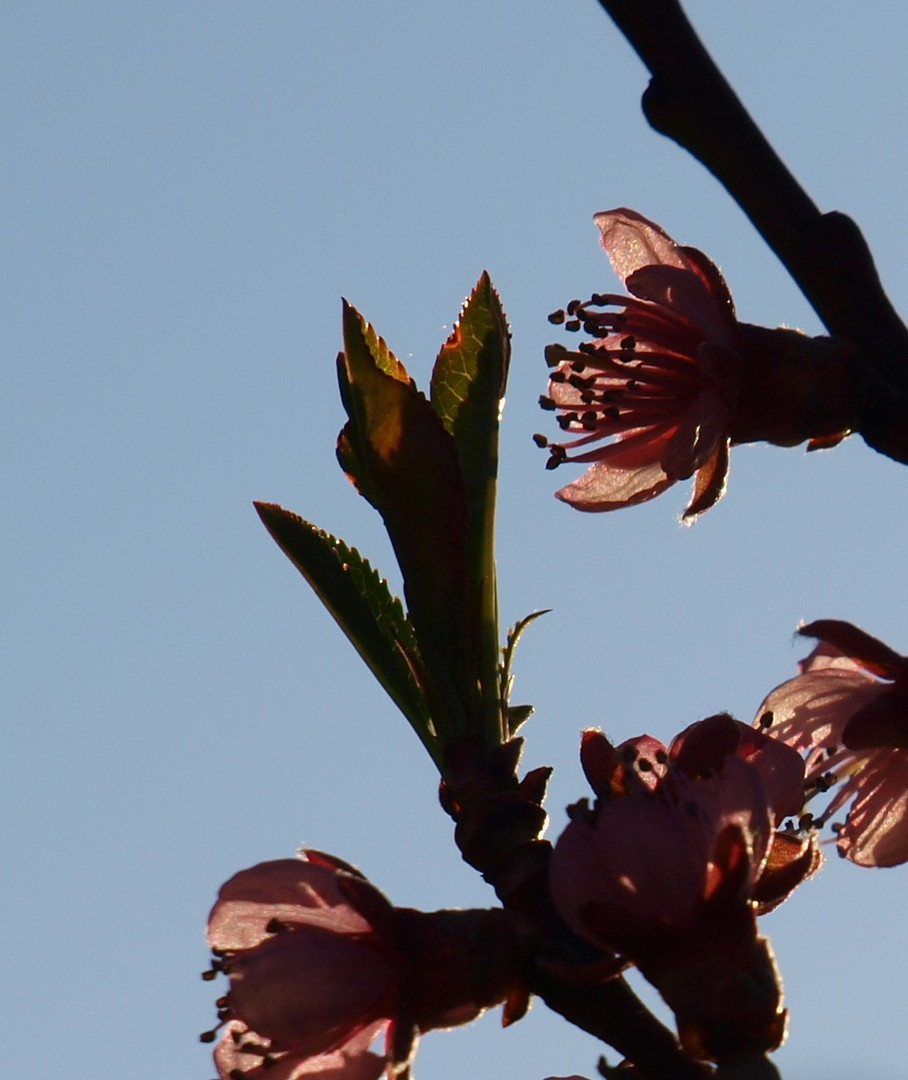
607 487
631 242
703 427
852 641
876 829
643 855
289 890
665 273
307 988
352 1061
709 487
685 292
811 710
708 743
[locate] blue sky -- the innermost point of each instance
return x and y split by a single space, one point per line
189 189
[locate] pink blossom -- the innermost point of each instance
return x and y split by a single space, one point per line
643 860
658 381
847 711
313 979
672 379
321 965
666 870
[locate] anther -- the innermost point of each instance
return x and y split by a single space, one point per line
275 926
541 441
573 325
629 343
589 421
557 454
766 720
545 402
574 306
557 317
579 382
208 1036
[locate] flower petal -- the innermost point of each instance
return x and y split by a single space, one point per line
308 988
702 429
352 1061
632 241
607 486
857 644
709 486
289 890
666 273
811 710
876 829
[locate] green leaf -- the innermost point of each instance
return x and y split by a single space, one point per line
468 385
517 714
397 452
365 610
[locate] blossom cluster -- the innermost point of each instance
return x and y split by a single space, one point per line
685 844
